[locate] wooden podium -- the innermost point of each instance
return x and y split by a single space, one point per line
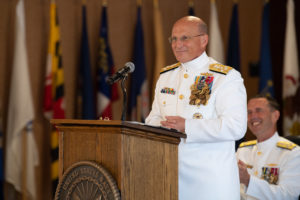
142 159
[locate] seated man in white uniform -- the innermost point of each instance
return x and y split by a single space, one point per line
207 101
269 167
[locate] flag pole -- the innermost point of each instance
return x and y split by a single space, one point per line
139 2
24 161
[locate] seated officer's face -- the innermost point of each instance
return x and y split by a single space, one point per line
260 117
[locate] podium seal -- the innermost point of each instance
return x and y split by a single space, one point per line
87 180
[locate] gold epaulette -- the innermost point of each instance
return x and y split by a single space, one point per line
248 143
286 145
219 68
169 68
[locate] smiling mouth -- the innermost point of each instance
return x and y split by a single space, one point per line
180 51
256 123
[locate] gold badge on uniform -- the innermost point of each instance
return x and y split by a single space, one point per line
197 116
270 174
201 89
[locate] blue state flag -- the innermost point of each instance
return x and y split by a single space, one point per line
138 84
233 52
106 94
85 78
265 65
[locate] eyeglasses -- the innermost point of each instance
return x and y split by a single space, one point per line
183 38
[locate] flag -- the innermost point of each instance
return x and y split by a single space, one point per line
106 94
291 92
191 8
233 52
139 86
19 137
160 57
215 44
265 69
54 106
86 92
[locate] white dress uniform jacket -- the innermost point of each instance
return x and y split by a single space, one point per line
207 163
276 160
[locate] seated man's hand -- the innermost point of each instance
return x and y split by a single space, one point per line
244 175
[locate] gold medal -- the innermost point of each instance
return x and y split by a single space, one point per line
201 89
199 95
197 116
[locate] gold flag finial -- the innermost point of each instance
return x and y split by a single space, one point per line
139 2
104 3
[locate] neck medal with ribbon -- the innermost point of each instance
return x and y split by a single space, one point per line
201 89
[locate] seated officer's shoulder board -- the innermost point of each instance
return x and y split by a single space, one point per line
169 68
248 143
286 145
219 68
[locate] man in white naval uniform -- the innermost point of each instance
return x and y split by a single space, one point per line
269 166
207 101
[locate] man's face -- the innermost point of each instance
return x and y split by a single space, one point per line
261 119
190 48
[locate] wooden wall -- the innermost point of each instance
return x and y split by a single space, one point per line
122 19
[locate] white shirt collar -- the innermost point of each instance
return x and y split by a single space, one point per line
269 142
197 63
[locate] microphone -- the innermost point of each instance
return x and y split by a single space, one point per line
128 68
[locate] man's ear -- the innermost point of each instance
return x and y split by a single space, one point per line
204 40
275 116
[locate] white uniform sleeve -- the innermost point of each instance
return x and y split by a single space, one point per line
288 187
231 110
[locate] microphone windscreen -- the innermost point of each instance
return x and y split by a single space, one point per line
131 66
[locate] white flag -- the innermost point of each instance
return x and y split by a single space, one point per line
20 115
291 120
215 43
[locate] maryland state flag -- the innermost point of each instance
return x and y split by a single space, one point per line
54 89
106 94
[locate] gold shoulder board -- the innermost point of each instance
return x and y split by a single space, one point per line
169 68
286 145
248 143
219 68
